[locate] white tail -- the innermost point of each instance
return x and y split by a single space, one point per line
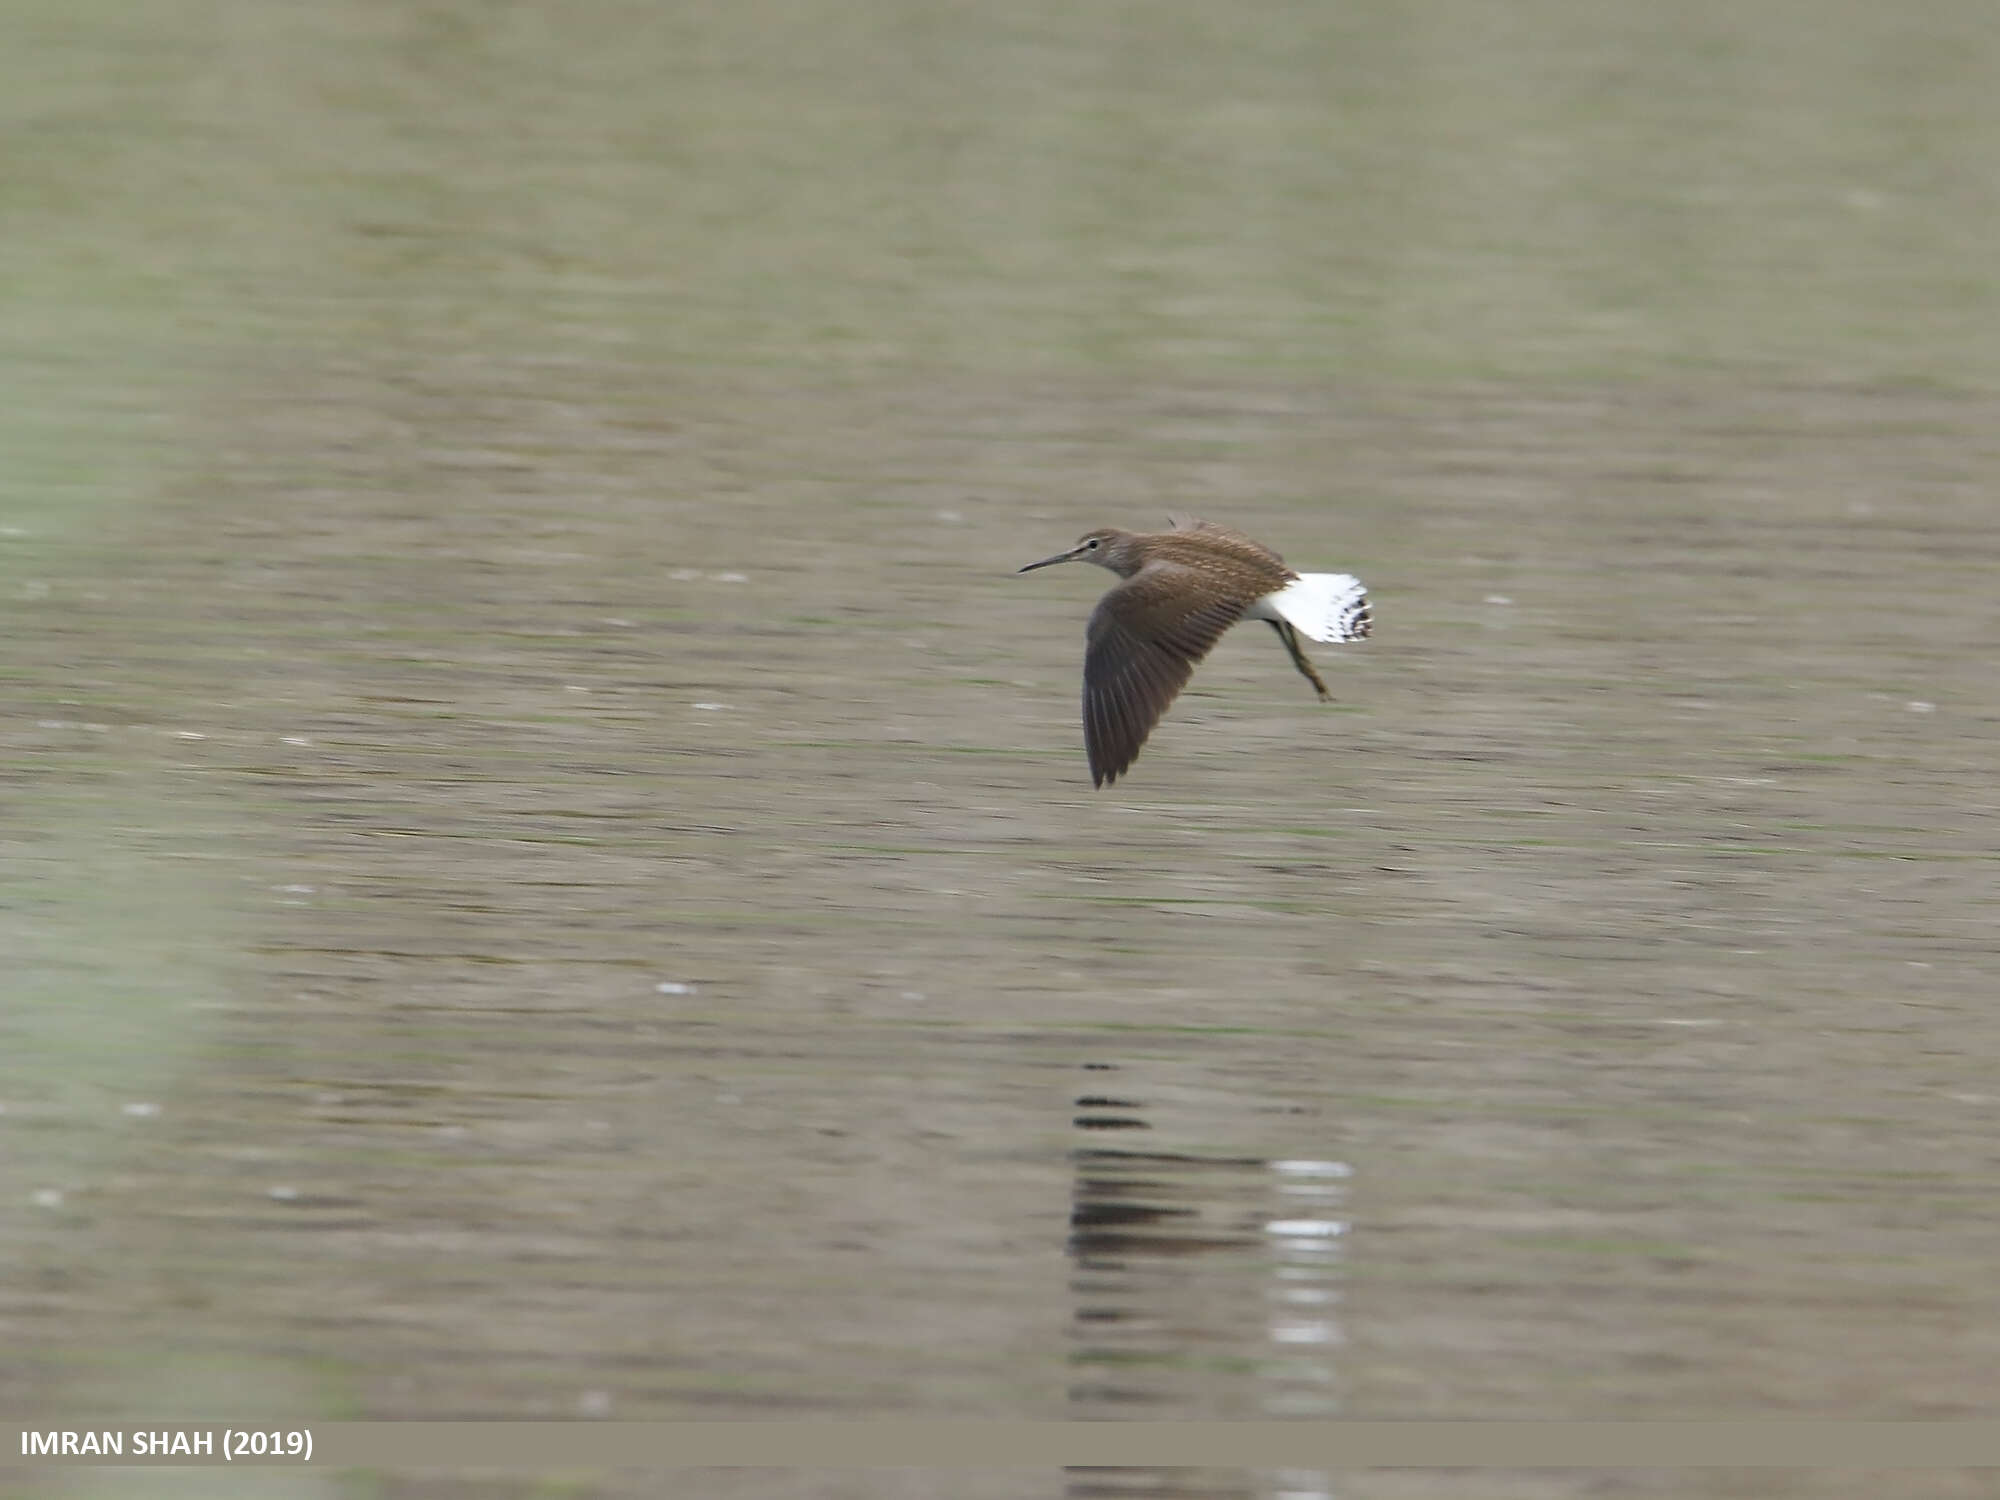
1324 606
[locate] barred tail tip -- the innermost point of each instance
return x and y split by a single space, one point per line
1325 607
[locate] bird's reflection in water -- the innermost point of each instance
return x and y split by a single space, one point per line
1204 1287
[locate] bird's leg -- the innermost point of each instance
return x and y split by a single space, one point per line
1290 636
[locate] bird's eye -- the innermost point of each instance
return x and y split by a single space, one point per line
1091 545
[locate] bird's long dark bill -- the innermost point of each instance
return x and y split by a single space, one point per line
1048 562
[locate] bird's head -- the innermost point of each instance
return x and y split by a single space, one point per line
1107 546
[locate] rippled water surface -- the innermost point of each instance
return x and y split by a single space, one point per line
551 871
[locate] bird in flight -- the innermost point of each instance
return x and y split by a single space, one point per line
1181 589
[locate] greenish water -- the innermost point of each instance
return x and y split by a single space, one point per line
509 508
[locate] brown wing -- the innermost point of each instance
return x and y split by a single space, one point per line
1145 637
1236 540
